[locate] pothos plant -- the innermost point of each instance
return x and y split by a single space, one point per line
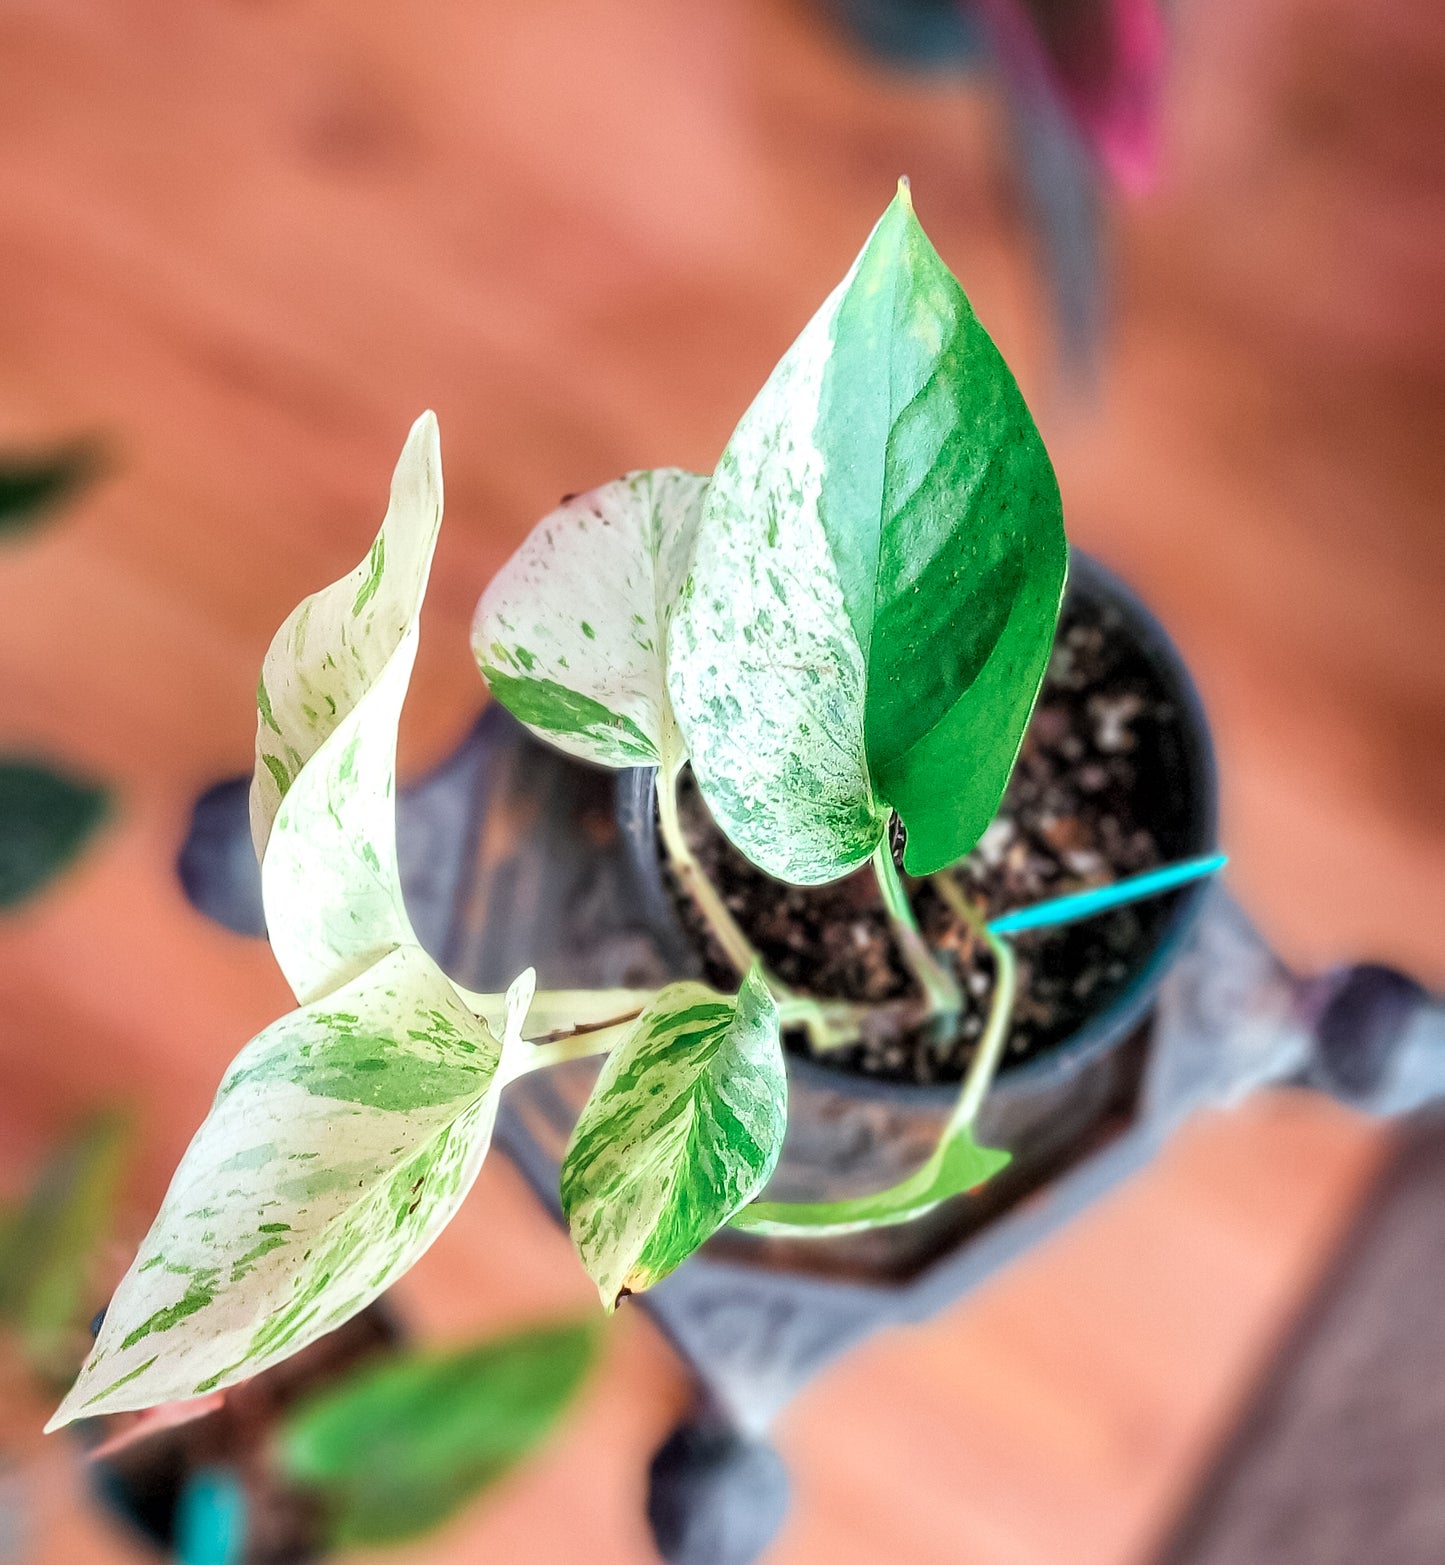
847 623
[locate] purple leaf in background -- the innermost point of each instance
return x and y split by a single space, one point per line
1102 60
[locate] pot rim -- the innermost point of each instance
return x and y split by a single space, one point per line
1118 1019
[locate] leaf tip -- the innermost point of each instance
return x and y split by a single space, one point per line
422 455
905 191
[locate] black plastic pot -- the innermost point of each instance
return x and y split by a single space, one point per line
849 1134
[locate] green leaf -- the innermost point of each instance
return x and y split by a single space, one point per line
572 632
876 581
32 487
329 700
401 1446
47 1247
957 1164
342 1140
683 1127
46 818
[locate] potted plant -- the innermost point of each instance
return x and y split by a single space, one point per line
842 634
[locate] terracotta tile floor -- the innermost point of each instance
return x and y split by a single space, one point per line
248 242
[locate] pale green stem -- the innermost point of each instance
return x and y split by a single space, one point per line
987 1057
735 944
945 1000
931 1184
565 1043
827 1026
830 1024
995 1034
598 1039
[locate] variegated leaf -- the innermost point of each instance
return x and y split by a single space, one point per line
876 580
341 1142
958 1164
322 807
683 1127
571 633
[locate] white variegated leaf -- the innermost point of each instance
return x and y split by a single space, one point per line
572 632
683 1127
777 747
330 696
876 580
341 1142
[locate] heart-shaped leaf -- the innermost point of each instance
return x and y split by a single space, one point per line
323 809
683 1127
572 632
341 1142
402 1445
876 580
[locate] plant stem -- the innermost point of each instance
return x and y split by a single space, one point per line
938 1178
735 944
945 1000
995 1033
581 1044
829 1024
986 1057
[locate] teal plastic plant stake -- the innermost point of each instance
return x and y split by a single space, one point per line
1088 904
211 1519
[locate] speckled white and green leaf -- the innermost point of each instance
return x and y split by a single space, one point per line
767 678
341 1142
876 580
344 1136
683 1128
329 700
571 633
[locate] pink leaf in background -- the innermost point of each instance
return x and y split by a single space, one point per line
152 1420
1103 60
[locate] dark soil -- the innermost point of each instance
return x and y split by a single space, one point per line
1094 798
144 1481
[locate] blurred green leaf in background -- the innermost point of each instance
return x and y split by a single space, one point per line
401 1446
32 487
46 817
49 1241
